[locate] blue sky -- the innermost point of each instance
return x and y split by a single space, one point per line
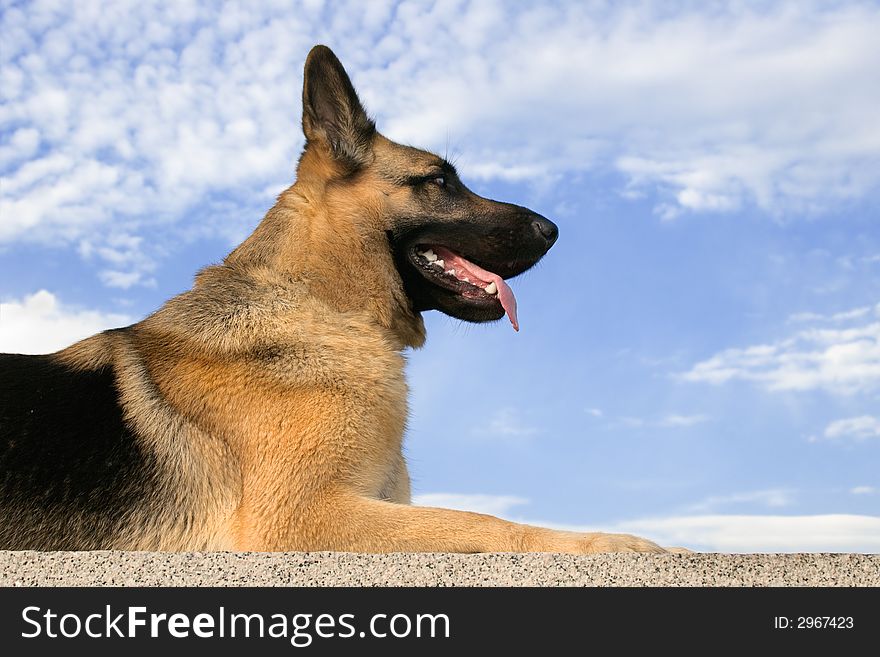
699 359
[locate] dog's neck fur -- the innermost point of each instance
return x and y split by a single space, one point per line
310 237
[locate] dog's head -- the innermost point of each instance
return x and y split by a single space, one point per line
452 249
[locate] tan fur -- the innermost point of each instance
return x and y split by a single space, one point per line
274 391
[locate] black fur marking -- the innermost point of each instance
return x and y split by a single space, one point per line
72 473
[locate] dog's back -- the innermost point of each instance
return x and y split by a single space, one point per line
73 470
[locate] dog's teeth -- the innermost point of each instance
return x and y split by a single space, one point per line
430 256
491 288
438 263
451 271
466 279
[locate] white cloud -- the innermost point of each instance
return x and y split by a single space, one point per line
507 423
496 505
863 490
40 324
675 420
839 360
668 421
595 412
772 498
762 533
132 118
858 428
845 316
120 279
125 254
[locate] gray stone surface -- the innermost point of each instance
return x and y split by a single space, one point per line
345 569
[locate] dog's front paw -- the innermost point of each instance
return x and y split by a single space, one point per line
575 543
619 543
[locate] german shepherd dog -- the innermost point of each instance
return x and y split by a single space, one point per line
264 409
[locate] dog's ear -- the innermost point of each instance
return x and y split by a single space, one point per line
332 113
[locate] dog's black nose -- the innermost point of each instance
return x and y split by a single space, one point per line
546 229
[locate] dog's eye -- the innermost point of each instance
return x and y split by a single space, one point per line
439 179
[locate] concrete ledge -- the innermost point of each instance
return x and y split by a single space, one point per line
346 569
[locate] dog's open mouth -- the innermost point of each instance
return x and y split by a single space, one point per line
460 266
453 272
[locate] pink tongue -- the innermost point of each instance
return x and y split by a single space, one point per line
467 269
